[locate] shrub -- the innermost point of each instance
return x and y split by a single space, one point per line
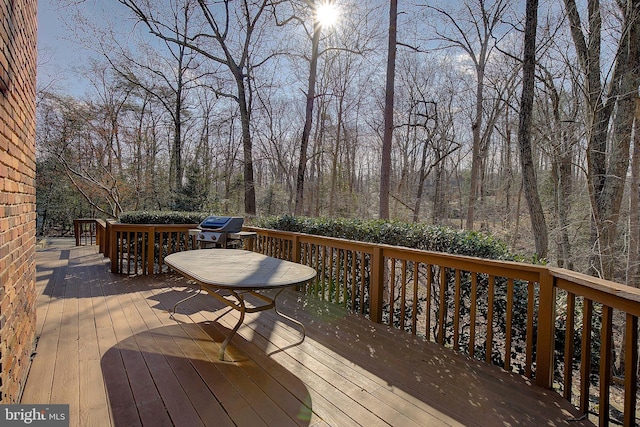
162 217
417 236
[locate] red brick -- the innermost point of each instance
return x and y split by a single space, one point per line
17 201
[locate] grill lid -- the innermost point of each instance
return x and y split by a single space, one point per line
228 224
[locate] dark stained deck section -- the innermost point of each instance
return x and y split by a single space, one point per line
108 347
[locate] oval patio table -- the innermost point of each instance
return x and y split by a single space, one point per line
239 272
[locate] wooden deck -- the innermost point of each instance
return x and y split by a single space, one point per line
108 347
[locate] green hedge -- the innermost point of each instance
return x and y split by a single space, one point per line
162 217
418 236
412 235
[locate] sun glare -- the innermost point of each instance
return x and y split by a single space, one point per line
327 14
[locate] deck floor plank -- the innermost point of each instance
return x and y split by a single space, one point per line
336 369
93 411
66 377
109 347
269 407
147 399
163 341
201 308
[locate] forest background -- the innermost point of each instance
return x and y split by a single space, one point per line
252 106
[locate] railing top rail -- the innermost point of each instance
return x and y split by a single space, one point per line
508 269
612 294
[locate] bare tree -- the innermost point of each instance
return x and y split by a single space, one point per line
385 167
310 97
166 79
611 110
476 40
230 42
529 179
74 133
633 264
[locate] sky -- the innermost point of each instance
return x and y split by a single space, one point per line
56 53
59 53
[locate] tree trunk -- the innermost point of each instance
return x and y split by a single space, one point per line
421 179
385 167
476 154
335 157
563 194
247 148
306 131
530 184
607 159
633 264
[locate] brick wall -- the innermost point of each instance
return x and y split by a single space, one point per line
17 194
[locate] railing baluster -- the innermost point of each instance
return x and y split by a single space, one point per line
414 312
345 292
509 325
490 301
605 364
392 289
129 250
317 279
354 254
428 307
135 250
585 355
324 273
336 275
121 249
332 277
377 285
472 314
362 281
630 370
151 243
569 346
403 293
456 311
443 305
530 323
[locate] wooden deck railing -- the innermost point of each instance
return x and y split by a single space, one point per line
85 231
141 248
512 314
566 331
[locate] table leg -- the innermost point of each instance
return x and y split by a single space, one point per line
195 294
243 309
275 308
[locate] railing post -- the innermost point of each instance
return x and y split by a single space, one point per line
113 249
101 227
376 293
296 248
546 331
76 231
107 238
98 235
151 245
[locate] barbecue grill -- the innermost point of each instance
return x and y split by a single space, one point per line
214 230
